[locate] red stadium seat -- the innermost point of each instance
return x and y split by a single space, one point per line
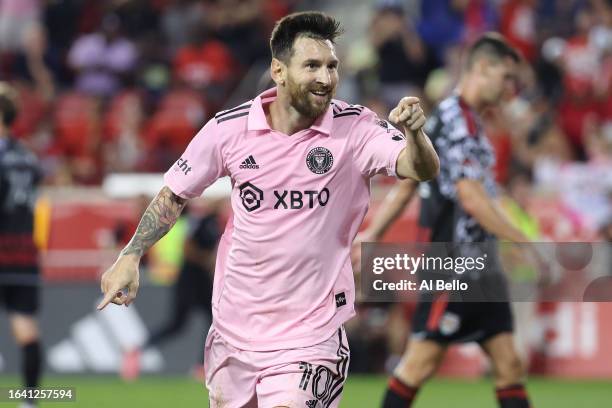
180 115
32 110
76 124
128 102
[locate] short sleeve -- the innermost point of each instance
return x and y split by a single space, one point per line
459 157
199 166
376 145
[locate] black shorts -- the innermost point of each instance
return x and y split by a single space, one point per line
20 298
446 321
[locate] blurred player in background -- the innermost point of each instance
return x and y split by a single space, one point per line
19 274
300 166
459 207
192 289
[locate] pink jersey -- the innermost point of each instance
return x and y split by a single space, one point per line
283 277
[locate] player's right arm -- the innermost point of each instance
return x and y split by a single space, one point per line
477 203
157 220
159 217
199 166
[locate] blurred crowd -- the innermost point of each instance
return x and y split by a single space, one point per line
552 136
122 85
554 133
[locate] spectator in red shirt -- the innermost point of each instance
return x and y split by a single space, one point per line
585 93
205 64
518 25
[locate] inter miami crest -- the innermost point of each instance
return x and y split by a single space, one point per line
319 160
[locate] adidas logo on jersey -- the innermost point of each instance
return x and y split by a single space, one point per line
249 163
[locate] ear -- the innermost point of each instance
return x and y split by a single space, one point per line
278 72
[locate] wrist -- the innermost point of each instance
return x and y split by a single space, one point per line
419 134
128 254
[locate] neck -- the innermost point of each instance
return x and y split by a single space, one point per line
468 90
284 118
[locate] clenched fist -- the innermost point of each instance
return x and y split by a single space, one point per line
408 115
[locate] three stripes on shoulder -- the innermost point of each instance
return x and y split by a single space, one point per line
351 110
233 113
243 110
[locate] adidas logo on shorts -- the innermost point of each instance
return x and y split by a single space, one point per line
249 163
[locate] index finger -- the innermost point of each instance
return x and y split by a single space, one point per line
108 297
409 100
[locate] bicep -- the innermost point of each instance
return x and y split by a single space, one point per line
471 194
468 187
404 168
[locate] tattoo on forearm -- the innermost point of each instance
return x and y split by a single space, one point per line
157 220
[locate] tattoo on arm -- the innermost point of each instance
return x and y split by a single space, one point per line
157 220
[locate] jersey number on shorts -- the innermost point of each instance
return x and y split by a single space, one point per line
321 381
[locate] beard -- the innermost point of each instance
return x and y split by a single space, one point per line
303 101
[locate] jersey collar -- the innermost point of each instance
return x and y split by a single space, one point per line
257 117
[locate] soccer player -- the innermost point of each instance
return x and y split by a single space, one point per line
19 274
300 165
459 207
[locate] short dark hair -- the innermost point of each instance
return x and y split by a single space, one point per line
8 104
492 45
311 24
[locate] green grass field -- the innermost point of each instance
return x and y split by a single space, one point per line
360 392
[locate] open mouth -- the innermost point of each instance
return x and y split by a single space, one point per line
320 94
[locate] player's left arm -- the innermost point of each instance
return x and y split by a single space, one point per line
475 200
419 160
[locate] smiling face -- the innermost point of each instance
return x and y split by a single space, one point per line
310 76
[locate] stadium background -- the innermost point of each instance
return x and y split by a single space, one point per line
106 118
